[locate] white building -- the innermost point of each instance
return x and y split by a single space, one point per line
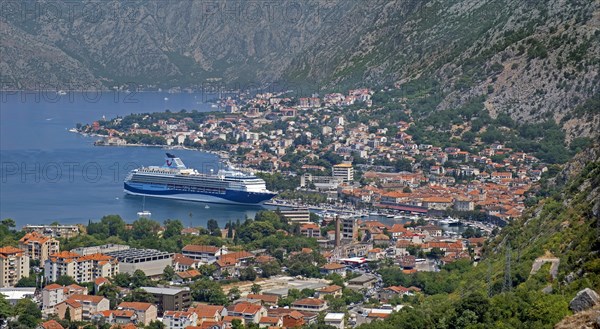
151 262
179 319
345 171
335 320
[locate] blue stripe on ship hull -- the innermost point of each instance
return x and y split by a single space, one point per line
231 196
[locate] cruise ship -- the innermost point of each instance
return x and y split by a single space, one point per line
174 180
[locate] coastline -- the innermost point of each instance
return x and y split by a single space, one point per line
221 154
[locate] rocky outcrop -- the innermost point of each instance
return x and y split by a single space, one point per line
585 299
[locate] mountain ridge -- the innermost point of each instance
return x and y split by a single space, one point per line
533 60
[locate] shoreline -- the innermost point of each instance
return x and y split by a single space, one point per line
166 147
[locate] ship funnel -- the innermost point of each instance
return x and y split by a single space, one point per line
172 161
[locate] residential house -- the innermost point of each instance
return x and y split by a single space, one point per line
51 324
334 268
73 308
293 319
264 299
146 312
333 290
310 304
397 291
365 281
179 319
209 313
117 317
270 322
184 263
251 313
186 276
335 320
376 254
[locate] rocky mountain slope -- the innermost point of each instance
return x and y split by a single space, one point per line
535 60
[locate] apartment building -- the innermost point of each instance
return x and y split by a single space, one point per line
54 294
90 305
38 247
170 299
81 268
14 265
345 171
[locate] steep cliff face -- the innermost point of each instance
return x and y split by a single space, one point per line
168 43
533 59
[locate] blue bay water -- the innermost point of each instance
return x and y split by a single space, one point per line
49 174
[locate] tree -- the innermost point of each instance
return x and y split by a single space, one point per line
28 312
236 324
213 227
6 310
172 228
65 280
8 222
269 269
234 293
111 292
122 280
230 231
208 291
68 314
29 281
168 273
144 228
155 324
139 279
139 295
256 288
248 274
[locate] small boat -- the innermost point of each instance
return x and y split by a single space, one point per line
449 221
206 207
144 212
61 92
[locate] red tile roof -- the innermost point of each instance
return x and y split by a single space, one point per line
52 324
138 306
